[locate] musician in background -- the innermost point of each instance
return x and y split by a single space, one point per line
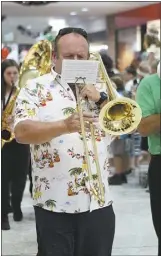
69 219
15 157
121 146
129 77
148 97
108 63
154 65
144 69
152 44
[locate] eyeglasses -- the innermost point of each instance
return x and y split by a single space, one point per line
80 31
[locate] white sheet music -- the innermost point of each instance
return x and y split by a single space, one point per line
73 69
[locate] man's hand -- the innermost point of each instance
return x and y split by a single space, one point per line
10 120
73 122
90 92
36 132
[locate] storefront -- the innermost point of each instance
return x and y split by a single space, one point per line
131 27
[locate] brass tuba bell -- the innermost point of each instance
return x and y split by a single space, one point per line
37 62
120 115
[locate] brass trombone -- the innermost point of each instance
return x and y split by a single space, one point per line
119 116
99 193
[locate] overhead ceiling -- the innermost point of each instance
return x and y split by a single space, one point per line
61 9
38 17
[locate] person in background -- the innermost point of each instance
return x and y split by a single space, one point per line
117 79
111 71
22 54
152 44
120 147
148 97
143 70
135 62
14 156
108 63
129 77
154 65
130 81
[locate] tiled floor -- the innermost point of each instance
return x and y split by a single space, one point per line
134 229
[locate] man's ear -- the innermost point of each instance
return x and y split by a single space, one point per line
54 56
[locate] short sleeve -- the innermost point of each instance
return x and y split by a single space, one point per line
26 107
144 98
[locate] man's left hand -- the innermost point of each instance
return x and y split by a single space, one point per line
90 92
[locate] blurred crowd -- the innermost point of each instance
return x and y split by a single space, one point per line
128 152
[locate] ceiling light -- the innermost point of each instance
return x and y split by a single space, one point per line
97 48
84 10
28 27
73 13
57 24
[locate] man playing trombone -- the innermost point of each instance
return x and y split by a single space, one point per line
73 218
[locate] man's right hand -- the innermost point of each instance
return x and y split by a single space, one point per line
37 132
10 120
73 122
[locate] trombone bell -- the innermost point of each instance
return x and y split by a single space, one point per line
120 116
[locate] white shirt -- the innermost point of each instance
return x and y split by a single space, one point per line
129 85
59 184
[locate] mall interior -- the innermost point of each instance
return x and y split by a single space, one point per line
118 31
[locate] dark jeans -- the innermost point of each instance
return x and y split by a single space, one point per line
82 234
155 195
15 163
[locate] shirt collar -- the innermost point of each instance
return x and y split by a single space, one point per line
53 77
57 78
54 74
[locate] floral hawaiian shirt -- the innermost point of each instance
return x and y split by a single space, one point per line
60 176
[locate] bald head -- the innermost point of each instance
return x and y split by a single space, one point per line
70 46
